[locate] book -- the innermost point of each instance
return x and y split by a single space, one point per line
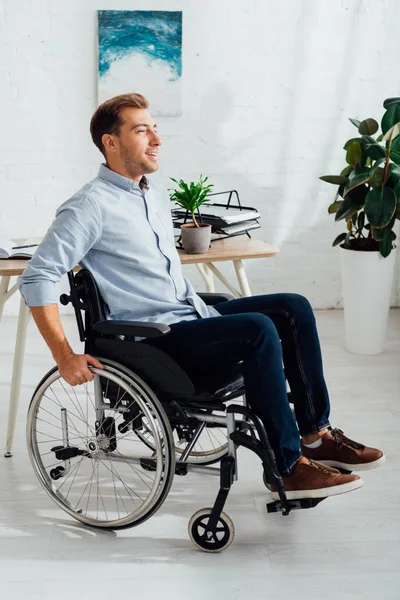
9 249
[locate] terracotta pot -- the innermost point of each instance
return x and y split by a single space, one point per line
196 240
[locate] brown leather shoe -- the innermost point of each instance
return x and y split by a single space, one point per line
313 480
339 451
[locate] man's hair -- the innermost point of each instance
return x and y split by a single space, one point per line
107 118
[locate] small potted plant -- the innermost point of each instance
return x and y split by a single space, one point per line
368 199
196 237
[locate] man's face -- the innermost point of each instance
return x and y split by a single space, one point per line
136 147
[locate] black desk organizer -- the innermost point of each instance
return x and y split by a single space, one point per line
217 223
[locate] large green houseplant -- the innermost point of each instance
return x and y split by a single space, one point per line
368 199
196 236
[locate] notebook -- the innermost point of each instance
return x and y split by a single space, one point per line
9 249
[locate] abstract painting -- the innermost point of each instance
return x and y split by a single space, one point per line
141 51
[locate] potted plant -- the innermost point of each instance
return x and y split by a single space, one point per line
368 199
196 237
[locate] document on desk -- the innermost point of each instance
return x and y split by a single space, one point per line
10 249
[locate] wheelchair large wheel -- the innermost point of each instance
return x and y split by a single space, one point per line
84 448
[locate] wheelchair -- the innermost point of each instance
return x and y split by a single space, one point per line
107 451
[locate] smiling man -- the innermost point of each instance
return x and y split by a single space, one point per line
119 227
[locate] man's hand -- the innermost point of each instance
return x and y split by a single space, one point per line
74 368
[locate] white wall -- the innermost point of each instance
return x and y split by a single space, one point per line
267 89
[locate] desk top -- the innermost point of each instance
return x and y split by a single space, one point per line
230 249
236 248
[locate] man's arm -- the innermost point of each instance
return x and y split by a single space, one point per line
73 367
72 234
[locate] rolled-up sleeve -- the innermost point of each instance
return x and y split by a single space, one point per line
75 230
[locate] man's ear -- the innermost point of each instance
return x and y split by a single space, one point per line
108 142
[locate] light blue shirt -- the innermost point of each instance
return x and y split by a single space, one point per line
124 236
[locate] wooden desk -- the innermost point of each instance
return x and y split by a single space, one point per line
235 249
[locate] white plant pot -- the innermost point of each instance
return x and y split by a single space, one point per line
367 280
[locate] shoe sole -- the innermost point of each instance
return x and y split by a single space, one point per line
335 490
359 467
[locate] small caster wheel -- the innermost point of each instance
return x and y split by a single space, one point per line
7 454
266 483
57 473
221 539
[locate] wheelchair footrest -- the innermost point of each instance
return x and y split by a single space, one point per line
68 452
278 506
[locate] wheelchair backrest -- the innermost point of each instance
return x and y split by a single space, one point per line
85 296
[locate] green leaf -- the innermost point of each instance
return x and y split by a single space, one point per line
357 195
376 179
355 122
346 171
351 204
340 238
347 239
391 117
368 127
395 151
379 233
397 191
391 133
397 213
390 101
334 207
354 153
372 148
340 191
350 141
380 206
359 176
394 171
361 220
336 179
386 245
191 196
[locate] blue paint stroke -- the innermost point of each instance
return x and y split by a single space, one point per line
155 33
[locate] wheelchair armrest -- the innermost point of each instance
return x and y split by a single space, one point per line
131 328
211 298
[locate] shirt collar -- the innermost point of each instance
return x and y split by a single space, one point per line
120 181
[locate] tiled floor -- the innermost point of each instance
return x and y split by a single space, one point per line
347 547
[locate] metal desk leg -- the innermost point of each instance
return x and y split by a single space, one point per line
242 279
207 276
23 320
4 283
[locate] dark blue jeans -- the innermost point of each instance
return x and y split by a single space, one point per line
276 337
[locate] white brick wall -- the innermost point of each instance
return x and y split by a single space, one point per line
267 89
